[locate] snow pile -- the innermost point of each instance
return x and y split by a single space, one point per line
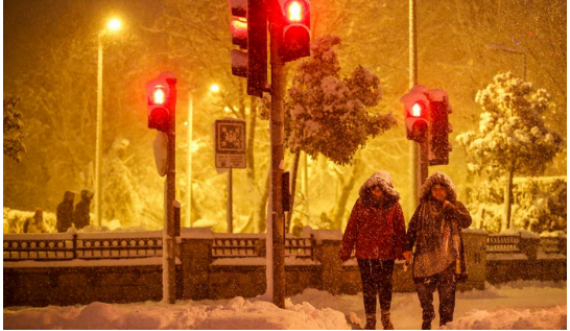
320 235
518 232
553 234
14 220
512 319
238 313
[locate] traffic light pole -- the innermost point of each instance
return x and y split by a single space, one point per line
168 267
276 122
418 151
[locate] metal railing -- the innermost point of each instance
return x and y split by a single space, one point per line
503 244
243 246
62 247
96 246
553 245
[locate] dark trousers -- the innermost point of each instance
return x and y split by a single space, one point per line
376 278
444 282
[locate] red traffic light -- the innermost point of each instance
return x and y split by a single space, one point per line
159 96
416 105
238 29
418 109
160 101
295 11
249 31
296 29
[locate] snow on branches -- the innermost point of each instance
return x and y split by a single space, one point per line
327 114
13 129
512 135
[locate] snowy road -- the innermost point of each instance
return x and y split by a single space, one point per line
519 305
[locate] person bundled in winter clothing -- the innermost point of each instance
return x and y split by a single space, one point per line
35 224
65 212
81 213
377 228
439 261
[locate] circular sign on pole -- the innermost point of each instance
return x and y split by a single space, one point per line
160 147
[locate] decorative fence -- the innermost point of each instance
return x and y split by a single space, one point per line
503 244
88 246
125 267
243 246
62 247
553 245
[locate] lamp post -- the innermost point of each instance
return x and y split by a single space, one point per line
509 49
214 88
113 24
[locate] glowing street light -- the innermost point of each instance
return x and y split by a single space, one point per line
112 25
215 88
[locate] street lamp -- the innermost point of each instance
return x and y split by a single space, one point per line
509 49
214 88
113 25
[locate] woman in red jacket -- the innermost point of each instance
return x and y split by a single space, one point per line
377 228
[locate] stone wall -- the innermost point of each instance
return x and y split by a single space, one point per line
200 277
532 264
81 285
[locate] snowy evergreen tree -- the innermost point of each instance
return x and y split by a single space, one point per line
512 137
13 129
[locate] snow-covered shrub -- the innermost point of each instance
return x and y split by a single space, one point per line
512 136
14 220
325 113
539 204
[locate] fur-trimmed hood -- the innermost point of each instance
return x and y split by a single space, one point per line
441 179
384 180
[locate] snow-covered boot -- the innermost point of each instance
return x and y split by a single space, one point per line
370 322
385 319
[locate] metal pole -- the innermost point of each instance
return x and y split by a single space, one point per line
99 133
229 213
277 162
169 295
415 149
190 143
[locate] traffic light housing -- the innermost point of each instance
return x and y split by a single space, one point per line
439 128
416 112
159 102
249 31
296 29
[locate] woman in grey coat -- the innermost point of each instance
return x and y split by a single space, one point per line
435 232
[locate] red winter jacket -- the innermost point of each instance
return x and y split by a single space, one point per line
378 233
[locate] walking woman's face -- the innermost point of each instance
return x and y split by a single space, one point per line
377 192
439 193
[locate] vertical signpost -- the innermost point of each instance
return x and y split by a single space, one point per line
230 142
290 37
161 102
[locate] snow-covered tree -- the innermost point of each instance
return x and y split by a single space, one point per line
13 129
327 114
512 136
120 195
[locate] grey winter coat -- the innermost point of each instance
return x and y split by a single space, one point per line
436 231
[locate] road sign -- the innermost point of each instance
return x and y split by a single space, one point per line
230 142
160 152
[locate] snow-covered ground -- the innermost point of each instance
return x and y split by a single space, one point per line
518 305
